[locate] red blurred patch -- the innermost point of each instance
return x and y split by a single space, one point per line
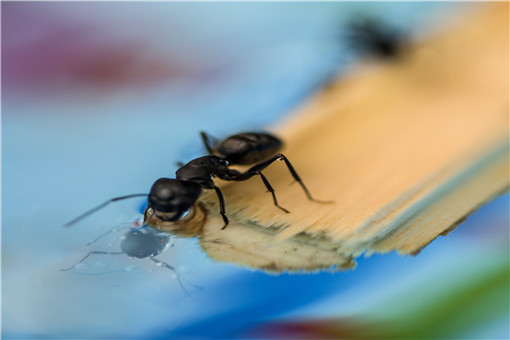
44 55
312 329
69 59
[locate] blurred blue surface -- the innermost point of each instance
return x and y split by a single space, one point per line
101 99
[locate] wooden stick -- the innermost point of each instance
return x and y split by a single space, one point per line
406 150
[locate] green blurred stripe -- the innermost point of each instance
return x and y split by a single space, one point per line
455 314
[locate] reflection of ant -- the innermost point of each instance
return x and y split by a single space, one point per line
169 199
140 242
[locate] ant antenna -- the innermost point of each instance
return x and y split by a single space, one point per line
209 142
102 205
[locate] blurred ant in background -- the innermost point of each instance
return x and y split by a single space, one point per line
371 37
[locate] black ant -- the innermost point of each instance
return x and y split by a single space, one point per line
169 199
140 242
371 37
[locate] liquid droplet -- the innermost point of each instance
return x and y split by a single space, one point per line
130 268
81 266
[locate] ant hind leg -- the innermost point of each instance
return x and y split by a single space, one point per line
278 157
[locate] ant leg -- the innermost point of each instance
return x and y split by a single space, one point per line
296 176
209 144
248 174
166 265
262 165
271 190
92 253
103 235
114 229
222 206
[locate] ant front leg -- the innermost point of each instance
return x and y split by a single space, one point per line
92 253
221 199
103 235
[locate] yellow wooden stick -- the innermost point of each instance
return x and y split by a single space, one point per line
405 150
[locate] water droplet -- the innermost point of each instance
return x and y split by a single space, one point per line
100 264
80 266
184 269
130 268
186 213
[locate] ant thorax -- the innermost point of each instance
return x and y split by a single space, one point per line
190 225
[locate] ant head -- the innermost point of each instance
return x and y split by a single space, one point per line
173 197
144 242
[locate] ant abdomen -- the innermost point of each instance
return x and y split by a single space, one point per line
249 148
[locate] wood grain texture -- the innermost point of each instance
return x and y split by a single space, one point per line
406 150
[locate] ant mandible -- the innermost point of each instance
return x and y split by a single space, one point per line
169 199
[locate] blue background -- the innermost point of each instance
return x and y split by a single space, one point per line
101 99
